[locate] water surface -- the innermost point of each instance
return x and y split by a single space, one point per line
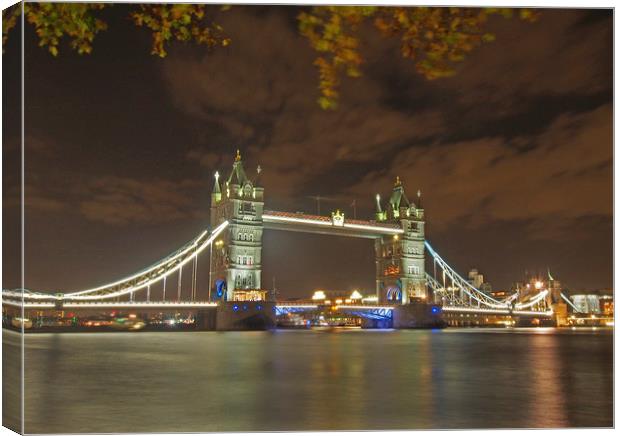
315 380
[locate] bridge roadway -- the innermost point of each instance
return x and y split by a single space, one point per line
299 222
280 307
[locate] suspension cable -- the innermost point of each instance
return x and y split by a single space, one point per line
570 303
194 274
180 281
139 281
196 280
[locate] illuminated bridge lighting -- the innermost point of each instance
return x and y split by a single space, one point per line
142 304
27 304
322 221
474 310
283 309
268 218
454 293
367 307
184 253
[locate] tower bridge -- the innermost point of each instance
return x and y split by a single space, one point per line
406 293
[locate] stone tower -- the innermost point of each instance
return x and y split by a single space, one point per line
236 261
400 275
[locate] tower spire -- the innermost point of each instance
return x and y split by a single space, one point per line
238 156
216 194
216 184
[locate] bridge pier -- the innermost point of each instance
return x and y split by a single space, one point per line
206 319
368 323
245 315
417 316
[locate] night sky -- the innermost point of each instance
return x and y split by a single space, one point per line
513 154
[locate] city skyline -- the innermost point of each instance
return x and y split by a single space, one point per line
514 164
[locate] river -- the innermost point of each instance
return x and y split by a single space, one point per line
342 379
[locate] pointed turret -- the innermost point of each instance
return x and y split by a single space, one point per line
258 185
419 200
216 194
257 179
237 175
398 200
379 214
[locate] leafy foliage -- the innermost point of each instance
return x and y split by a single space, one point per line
434 38
9 20
331 31
77 21
52 21
182 22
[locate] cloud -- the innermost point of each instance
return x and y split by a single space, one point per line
557 55
263 93
205 158
564 176
121 201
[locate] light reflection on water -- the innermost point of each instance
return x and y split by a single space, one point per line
302 380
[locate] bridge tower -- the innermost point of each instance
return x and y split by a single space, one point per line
236 258
399 259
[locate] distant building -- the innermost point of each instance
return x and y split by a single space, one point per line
476 279
586 303
606 303
534 284
594 302
501 294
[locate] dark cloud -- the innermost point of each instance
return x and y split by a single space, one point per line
567 175
115 200
554 56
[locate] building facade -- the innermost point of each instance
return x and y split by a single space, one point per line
586 303
594 302
400 273
236 257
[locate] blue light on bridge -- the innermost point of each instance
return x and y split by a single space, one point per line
245 307
435 309
259 307
220 286
235 307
